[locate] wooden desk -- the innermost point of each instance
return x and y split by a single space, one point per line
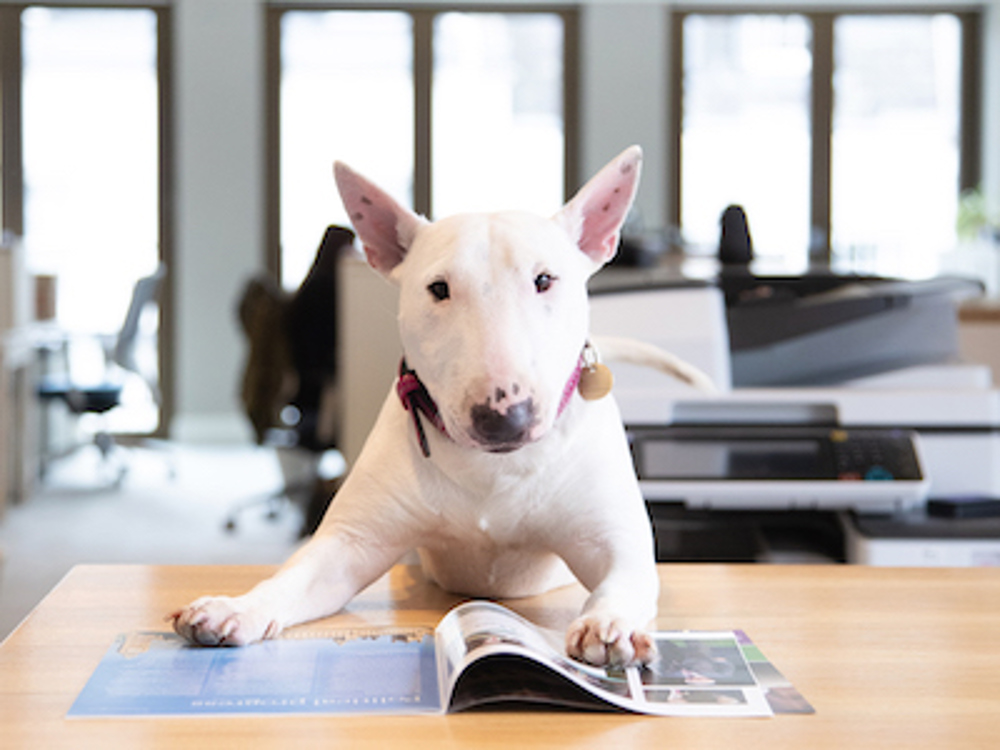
889 657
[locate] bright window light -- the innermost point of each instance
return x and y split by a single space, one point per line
498 121
746 132
91 157
895 142
346 94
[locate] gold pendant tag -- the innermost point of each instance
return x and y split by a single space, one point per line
596 380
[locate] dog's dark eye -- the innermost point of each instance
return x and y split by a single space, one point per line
544 282
439 290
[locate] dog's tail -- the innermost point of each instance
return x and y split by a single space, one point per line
635 352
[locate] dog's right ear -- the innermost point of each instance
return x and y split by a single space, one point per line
386 228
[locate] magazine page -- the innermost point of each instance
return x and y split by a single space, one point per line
489 654
783 697
344 671
474 625
700 674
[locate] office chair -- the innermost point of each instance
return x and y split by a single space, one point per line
289 389
104 395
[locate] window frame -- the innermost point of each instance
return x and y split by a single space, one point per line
423 72
821 102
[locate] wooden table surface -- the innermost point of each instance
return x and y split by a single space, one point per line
906 658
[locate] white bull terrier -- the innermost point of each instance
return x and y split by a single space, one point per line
486 459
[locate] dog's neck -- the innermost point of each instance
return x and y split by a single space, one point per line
417 400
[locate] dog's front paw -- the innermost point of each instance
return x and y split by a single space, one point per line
222 621
603 640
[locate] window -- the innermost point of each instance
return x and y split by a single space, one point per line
843 135
745 133
445 110
91 159
86 172
498 93
895 141
346 93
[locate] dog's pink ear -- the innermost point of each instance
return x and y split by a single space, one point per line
386 228
595 215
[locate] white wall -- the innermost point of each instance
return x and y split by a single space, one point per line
623 98
219 201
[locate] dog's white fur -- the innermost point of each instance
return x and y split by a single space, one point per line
517 498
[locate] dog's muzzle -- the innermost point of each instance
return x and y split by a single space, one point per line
497 432
502 432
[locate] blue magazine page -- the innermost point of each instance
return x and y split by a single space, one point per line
159 674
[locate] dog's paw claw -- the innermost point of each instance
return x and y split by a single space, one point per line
603 640
222 621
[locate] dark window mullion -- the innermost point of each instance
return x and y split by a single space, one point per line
675 126
10 110
423 80
272 139
822 135
970 112
166 329
570 102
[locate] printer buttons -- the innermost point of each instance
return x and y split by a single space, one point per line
878 474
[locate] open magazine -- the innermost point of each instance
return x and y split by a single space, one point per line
481 654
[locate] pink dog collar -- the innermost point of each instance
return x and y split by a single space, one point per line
416 400
571 386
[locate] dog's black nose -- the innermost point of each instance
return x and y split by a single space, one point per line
503 431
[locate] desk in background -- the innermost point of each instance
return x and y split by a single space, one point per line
890 658
25 352
19 411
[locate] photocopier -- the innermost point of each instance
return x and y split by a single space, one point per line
845 424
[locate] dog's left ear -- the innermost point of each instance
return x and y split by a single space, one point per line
594 216
386 228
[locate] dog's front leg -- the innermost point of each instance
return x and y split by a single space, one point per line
622 578
315 582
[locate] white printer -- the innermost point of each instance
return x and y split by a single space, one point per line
849 400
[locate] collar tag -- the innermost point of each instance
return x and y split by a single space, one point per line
595 380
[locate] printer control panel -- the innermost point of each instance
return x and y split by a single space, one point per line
873 456
776 452
779 466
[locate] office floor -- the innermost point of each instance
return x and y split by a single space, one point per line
76 518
